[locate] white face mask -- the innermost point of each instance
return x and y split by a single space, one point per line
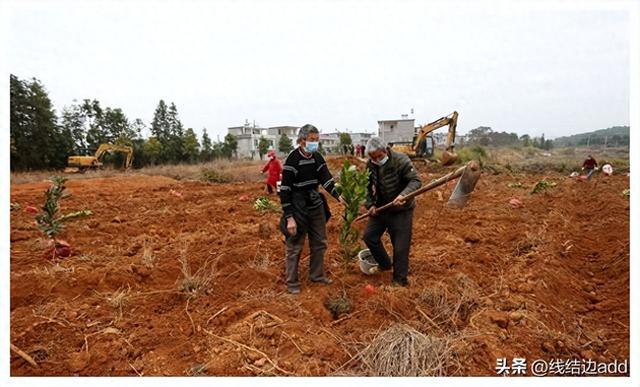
382 161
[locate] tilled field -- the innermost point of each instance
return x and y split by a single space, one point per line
186 278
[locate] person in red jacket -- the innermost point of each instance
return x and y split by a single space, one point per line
274 168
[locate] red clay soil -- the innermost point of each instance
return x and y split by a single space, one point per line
547 280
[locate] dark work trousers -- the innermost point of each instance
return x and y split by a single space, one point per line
399 225
317 244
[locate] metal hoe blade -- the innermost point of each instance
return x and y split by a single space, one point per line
467 182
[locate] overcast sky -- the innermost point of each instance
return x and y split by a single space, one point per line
525 67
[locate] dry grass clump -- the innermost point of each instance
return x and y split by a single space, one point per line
530 242
451 309
198 282
149 259
403 351
261 260
118 299
197 370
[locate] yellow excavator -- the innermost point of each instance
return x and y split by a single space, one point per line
84 163
423 145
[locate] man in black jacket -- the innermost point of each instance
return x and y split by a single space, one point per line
392 176
304 208
591 165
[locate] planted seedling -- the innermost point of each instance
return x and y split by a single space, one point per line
51 223
352 186
263 204
338 305
543 185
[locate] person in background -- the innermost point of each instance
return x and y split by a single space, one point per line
305 209
590 165
391 177
274 169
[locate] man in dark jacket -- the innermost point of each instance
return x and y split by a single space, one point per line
591 165
305 210
392 176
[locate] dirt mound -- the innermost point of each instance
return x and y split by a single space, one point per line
549 279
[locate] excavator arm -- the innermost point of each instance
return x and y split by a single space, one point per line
127 150
449 155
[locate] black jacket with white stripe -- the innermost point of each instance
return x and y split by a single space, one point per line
301 175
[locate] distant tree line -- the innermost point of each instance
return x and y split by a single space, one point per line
615 136
485 136
40 139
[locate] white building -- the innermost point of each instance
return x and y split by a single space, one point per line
248 137
361 138
399 130
331 141
275 132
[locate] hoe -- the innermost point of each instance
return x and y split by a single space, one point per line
468 174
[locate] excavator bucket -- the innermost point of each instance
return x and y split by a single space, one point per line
448 158
467 182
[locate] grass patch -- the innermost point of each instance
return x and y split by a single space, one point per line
403 351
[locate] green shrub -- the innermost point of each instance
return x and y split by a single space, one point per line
212 176
475 152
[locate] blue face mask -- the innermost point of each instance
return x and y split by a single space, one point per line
311 147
